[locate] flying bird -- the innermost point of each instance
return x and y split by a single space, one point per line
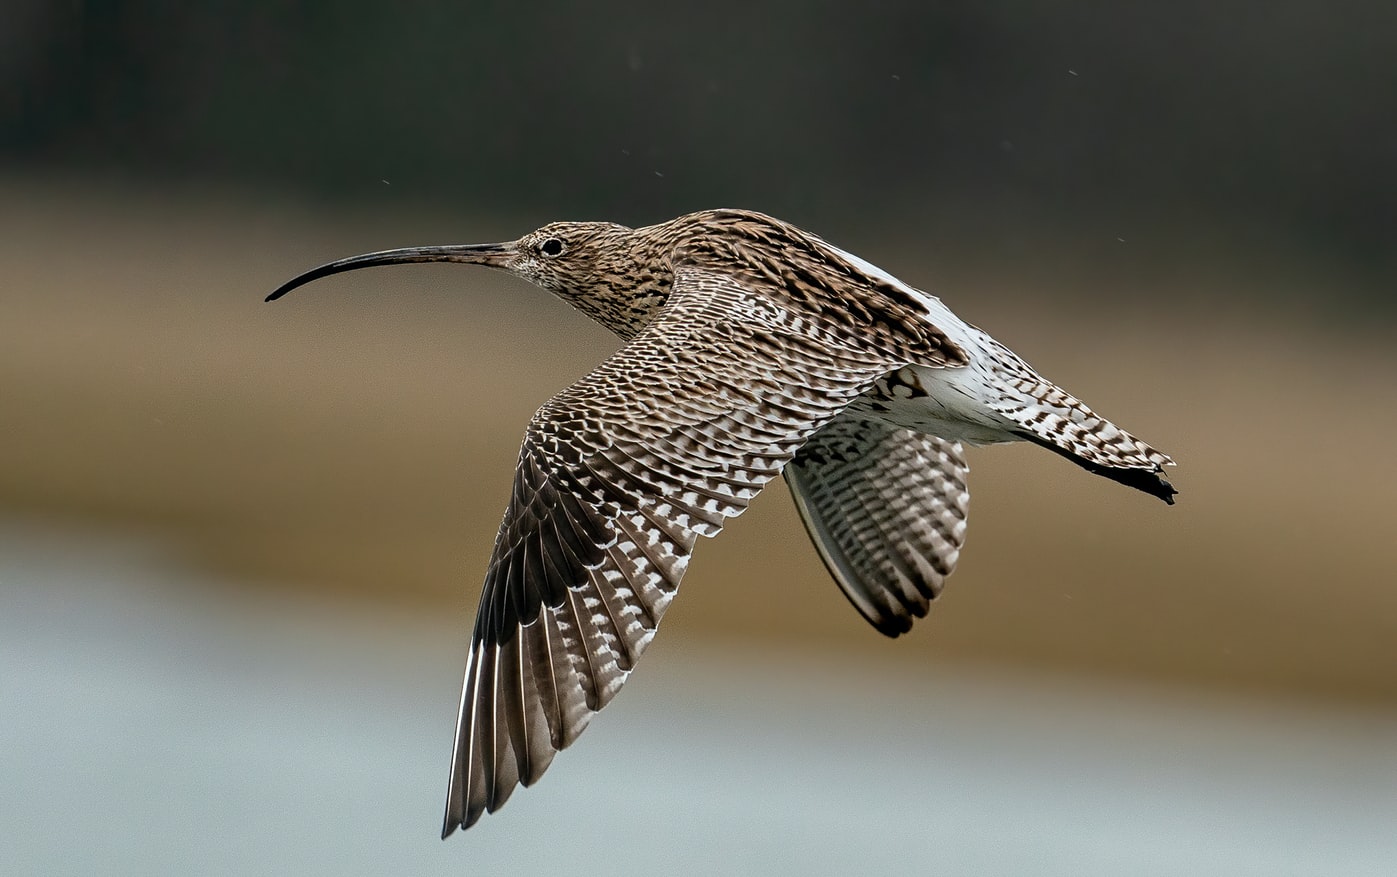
751 349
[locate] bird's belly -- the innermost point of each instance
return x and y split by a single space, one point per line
948 403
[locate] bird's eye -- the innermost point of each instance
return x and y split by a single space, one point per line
551 247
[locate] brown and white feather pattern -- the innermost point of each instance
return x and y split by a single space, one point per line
746 338
801 272
886 508
617 476
1052 414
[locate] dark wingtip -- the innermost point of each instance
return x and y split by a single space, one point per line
1145 480
892 626
1173 491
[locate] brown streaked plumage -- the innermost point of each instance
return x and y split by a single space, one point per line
752 348
886 508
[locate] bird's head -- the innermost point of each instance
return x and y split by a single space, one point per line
610 272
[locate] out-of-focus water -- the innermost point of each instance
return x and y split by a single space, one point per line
153 724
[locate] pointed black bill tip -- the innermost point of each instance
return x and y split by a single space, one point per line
490 255
283 290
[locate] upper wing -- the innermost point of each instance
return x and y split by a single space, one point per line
1052 418
886 508
617 477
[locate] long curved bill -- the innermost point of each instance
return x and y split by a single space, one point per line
492 255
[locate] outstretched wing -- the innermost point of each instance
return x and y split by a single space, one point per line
886 508
617 477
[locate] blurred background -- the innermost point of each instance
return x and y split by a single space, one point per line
240 544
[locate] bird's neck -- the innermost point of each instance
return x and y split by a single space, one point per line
626 293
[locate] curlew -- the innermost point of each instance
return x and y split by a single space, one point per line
752 349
